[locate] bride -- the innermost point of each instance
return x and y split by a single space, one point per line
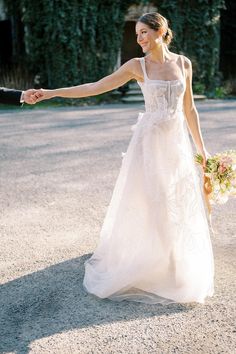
154 245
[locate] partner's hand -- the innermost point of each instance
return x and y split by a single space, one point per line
41 95
28 96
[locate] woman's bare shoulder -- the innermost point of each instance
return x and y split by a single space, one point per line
133 65
134 62
187 62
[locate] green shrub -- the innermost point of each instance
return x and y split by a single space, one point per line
69 42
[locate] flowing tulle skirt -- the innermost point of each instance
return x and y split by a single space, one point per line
155 244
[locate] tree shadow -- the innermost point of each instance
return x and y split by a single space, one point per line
53 300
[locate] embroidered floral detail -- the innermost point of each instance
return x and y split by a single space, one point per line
165 98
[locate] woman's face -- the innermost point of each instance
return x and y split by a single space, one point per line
146 37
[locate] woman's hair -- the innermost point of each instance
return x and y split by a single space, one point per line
156 21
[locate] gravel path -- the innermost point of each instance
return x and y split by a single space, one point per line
58 169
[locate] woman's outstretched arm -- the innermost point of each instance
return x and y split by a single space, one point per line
124 74
191 113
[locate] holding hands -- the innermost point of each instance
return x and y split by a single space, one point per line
36 96
33 96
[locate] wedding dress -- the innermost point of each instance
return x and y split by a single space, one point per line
155 244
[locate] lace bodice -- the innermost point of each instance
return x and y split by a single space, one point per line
163 96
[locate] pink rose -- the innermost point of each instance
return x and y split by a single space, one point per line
222 168
226 160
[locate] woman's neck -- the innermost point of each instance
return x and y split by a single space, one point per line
159 54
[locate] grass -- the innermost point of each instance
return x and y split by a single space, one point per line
40 105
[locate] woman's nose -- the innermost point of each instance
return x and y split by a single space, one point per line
139 39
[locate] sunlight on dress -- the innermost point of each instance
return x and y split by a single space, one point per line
155 244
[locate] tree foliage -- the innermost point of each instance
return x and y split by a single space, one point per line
196 24
75 41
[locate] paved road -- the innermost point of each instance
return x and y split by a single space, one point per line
58 169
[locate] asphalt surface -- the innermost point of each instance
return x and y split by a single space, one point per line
58 168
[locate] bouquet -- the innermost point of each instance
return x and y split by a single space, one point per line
219 176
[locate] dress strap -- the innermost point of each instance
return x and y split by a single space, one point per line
142 62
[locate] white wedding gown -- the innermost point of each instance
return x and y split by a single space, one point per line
155 244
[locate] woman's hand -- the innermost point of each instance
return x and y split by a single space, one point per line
41 95
205 154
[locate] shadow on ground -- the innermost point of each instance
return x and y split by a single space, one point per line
53 300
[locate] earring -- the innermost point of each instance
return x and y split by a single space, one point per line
160 40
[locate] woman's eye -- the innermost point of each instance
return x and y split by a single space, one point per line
141 33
